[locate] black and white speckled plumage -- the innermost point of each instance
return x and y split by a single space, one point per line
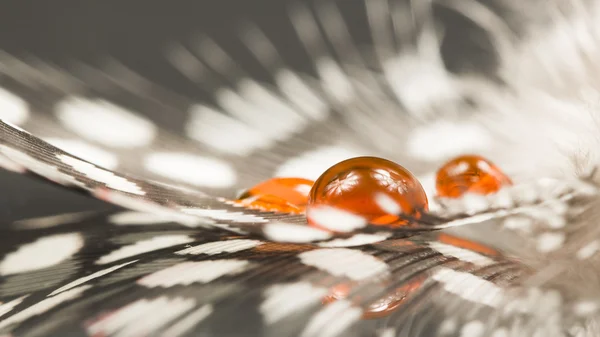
176 258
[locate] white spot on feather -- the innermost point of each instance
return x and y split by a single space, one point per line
311 165
585 308
219 214
252 114
48 171
42 306
441 140
548 242
188 322
105 123
472 329
448 327
101 175
13 109
519 223
43 253
474 203
388 332
500 332
461 253
276 113
332 320
141 218
301 95
420 83
50 221
523 193
85 151
469 287
218 247
353 264
335 219
9 306
187 273
215 128
158 313
501 199
90 277
588 250
284 232
10 165
191 169
334 80
283 300
144 246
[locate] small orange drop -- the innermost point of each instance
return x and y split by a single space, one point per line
469 173
370 187
288 195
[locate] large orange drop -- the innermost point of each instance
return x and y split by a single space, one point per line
371 188
289 195
471 173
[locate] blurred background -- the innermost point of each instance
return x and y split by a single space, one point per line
130 40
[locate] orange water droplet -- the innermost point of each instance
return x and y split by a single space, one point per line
288 195
469 173
373 188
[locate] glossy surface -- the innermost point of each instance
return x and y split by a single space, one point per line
471 173
373 188
289 195
393 300
381 307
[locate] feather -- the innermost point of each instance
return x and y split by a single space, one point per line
402 80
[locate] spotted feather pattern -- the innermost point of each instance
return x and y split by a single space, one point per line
175 256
